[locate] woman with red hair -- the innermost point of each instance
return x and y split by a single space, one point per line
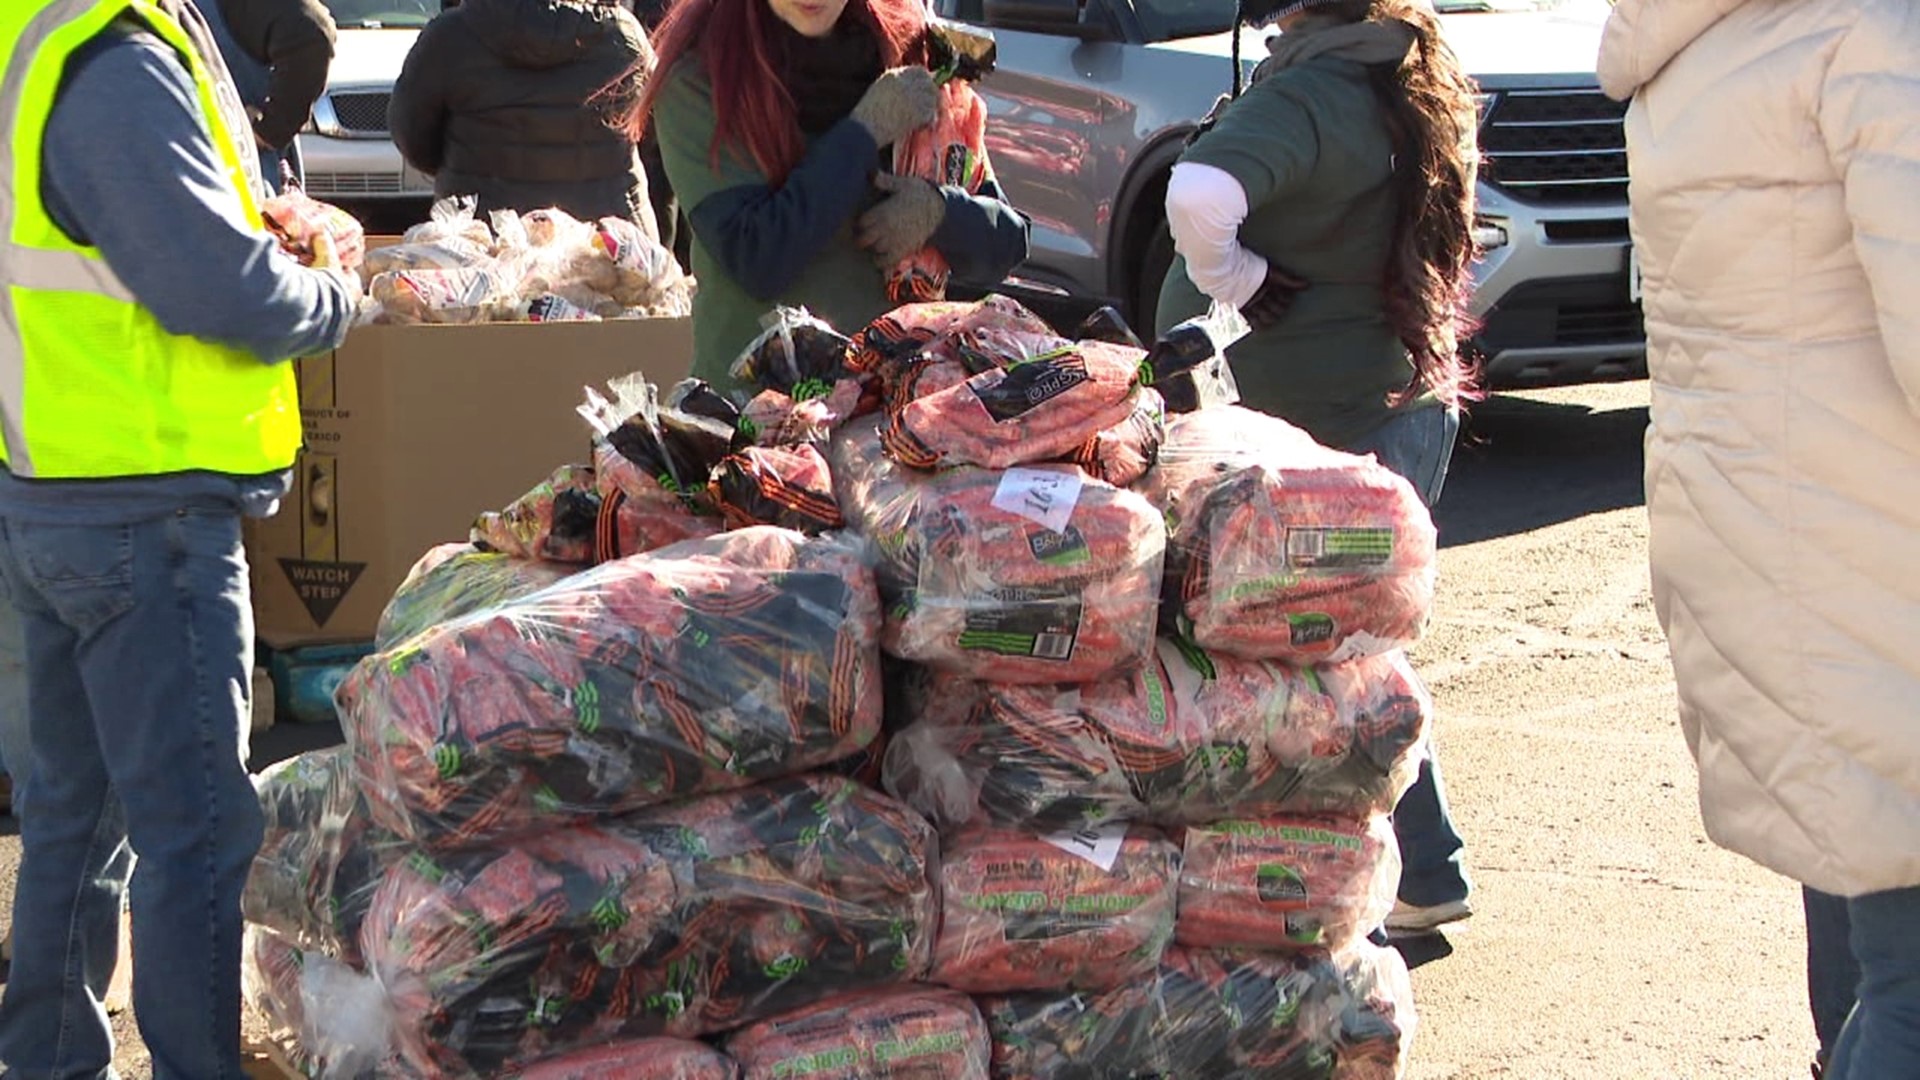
775 119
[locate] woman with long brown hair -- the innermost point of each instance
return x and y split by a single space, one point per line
1332 203
772 118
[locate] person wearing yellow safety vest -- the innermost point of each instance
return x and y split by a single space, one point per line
145 408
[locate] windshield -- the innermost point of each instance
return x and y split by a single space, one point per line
383 14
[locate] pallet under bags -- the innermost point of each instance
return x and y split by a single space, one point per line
1190 737
699 668
1283 549
1031 575
1077 911
683 920
904 1033
1308 1016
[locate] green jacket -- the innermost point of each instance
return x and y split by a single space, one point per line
1310 147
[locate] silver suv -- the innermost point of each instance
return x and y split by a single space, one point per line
348 155
1093 98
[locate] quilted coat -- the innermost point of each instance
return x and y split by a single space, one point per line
1775 154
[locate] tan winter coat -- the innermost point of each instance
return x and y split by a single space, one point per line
1775 153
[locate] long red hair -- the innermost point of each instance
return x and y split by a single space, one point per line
753 109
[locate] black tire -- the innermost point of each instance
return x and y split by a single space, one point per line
1154 264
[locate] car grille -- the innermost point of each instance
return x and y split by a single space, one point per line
1556 146
361 113
353 183
1564 313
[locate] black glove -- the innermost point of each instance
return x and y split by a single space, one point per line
1213 117
1274 299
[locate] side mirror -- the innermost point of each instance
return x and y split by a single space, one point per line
1082 19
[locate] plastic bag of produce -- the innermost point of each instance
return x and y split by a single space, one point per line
916 333
1286 883
454 580
950 152
1188 364
795 350
295 218
787 486
636 1059
453 253
917 1033
459 296
334 1022
653 462
320 858
555 522
1049 398
681 920
1122 454
1217 1015
699 668
1039 574
1090 910
1189 737
1284 549
451 218
774 418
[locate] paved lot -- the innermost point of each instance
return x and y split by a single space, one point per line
1612 939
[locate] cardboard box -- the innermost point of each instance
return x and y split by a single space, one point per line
412 432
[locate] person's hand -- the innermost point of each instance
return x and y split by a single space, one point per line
326 259
1274 299
903 222
1213 117
898 102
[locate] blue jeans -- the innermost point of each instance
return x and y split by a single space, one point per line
1419 446
15 756
139 654
1833 977
1882 1036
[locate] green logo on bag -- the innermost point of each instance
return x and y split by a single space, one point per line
447 759
786 967
586 707
609 915
808 389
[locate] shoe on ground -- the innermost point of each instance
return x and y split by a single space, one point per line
1408 919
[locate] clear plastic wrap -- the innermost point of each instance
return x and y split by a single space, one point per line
1046 398
774 418
455 580
556 522
699 668
1187 738
453 253
1283 549
1033 575
681 920
456 296
1188 364
604 266
1309 1015
1090 910
653 462
332 1021
1286 883
916 334
636 1059
295 218
451 218
1122 454
796 350
320 858
787 486
908 1033
950 152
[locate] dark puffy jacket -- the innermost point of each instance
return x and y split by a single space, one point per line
502 99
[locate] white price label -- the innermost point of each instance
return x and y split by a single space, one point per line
1043 496
1098 844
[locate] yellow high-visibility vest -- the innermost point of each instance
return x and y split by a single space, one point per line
91 385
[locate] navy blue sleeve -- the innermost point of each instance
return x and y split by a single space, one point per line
765 236
131 169
983 237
